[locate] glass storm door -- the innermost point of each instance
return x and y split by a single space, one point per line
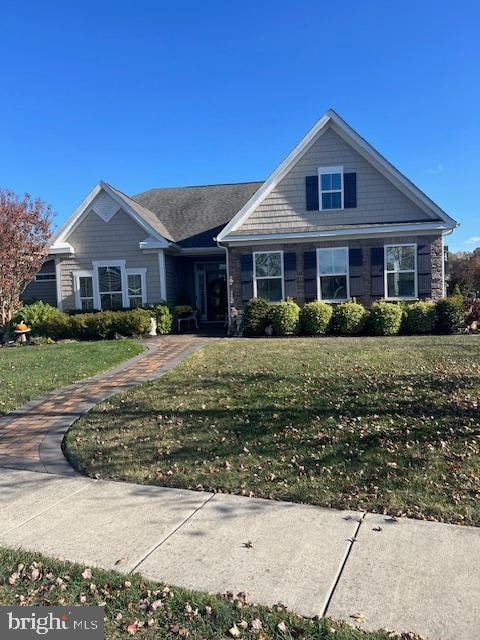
211 290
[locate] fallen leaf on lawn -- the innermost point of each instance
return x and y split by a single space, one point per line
132 628
234 631
256 624
13 578
156 604
87 574
34 574
281 626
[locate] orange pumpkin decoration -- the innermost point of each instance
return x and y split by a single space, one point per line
21 326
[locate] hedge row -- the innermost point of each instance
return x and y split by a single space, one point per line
47 321
351 318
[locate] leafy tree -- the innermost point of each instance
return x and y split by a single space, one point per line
25 226
464 272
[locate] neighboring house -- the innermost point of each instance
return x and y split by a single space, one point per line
334 221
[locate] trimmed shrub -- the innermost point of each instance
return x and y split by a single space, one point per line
315 318
450 314
385 318
472 311
285 318
420 317
164 318
38 316
349 318
257 315
130 323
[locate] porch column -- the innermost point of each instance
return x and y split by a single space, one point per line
162 272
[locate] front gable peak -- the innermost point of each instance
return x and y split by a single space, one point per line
281 194
105 201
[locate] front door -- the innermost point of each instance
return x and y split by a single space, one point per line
211 290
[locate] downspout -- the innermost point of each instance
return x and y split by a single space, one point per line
229 297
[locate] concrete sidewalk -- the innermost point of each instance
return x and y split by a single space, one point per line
407 575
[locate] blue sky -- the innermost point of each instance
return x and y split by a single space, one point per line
149 93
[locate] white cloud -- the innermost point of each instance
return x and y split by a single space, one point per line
438 169
474 240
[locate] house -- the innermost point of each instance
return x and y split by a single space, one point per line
334 221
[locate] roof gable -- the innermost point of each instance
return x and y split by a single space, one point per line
331 121
106 201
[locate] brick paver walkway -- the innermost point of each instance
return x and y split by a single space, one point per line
31 436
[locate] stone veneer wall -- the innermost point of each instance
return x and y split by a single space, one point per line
366 244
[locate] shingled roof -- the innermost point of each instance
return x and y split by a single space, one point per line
192 216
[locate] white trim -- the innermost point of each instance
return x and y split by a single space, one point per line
152 243
326 275
60 248
142 272
162 273
366 150
83 273
386 272
58 277
255 278
110 263
444 284
323 171
72 221
419 228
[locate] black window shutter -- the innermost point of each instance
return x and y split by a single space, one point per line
290 274
355 266
246 276
310 275
377 261
311 191
424 271
349 190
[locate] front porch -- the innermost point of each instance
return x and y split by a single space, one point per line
201 282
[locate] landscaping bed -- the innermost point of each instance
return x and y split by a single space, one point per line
382 424
138 607
30 371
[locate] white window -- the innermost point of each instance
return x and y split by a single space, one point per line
136 287
110 287
332 274
268 275
84 296
330 184
401 271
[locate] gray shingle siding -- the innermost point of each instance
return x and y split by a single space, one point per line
45 290
118 239
366 244
378 201
171 278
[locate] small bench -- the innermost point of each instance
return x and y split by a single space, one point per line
188 318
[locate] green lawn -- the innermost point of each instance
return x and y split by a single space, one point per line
384 424
28 372
148 610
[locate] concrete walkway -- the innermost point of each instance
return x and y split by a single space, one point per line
31 436
407 575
